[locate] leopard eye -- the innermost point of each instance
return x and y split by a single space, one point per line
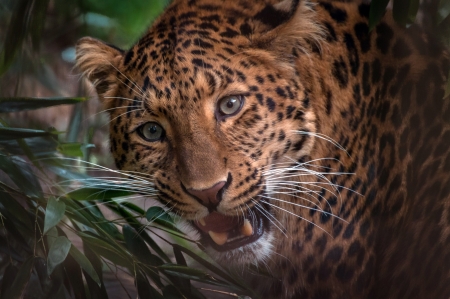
151 131
230 105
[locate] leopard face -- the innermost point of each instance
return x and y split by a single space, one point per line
209 121
285 134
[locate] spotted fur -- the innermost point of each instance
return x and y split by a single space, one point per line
341 143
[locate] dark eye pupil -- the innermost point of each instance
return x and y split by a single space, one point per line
153 129
230 103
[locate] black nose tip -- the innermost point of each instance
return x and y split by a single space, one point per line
210 197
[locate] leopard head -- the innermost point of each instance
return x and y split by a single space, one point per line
208 105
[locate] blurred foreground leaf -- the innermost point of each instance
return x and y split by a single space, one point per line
23 104
16 289
18 133
85 264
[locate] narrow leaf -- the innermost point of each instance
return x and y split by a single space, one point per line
71 149
85 264
57 253
53 213
161 217
22 104
377 11
21 280
443 10
15 33
98 193
145 290
22 175
18 133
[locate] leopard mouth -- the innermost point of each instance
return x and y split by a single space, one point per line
224 233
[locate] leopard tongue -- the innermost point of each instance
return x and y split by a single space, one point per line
218 223
218 226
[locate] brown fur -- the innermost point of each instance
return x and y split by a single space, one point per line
375 223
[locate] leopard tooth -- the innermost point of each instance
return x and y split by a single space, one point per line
246 228
202 221
218 238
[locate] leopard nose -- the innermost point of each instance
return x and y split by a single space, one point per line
210 197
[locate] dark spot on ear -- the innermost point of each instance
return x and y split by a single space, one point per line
273 17
245 29
337 14
128 57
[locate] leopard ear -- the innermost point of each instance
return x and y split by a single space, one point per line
290 23
98 62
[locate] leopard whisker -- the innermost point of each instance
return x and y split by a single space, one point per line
323 137
269 216
298 216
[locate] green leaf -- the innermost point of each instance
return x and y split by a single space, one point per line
15 33
171 292
57 253
85 264
52 234
97 193
71 149
404 11
53 213
37 145
18 133
37 22
145 290
377 11
22 104
138 247
112 252
158 215
95 291
22 175
21 280
443 10
16 209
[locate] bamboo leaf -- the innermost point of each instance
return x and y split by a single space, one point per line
95 291
404 11
52 234
37 22
161 217
377 11
54 212
171 292
145 290
16 33
57 253
71 149
443 10
22 175
98 193
18 133
85 264
20 281
21 104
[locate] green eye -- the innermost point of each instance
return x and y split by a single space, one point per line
151 131
230 105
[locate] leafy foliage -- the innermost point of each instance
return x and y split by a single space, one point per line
40 220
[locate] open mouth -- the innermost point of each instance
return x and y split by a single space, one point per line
224 233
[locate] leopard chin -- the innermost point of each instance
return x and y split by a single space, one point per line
252 252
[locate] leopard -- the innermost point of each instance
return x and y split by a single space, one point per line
291 137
